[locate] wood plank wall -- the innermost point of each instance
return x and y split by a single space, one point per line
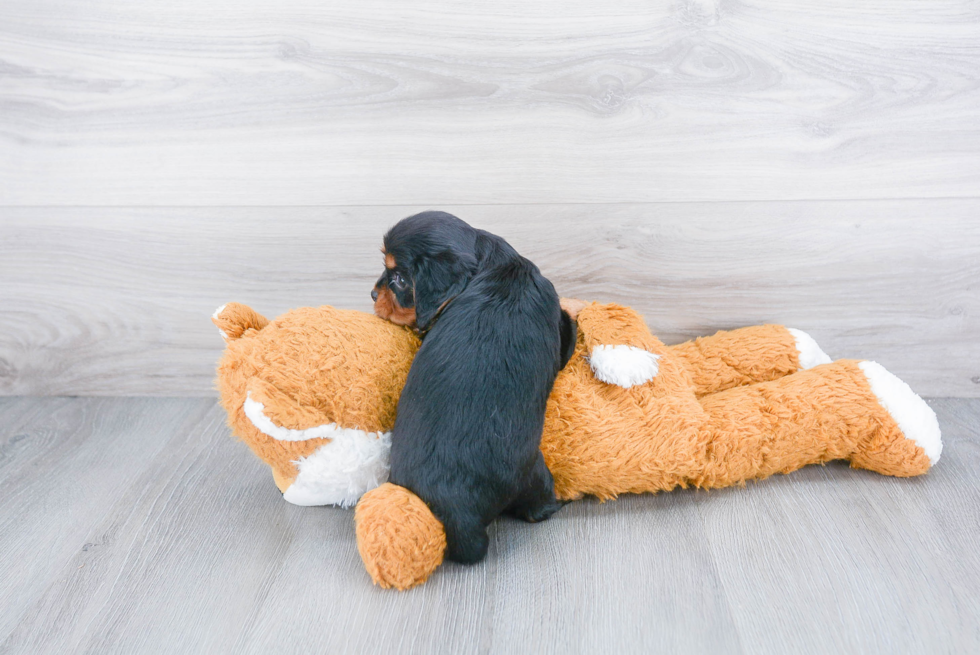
712 163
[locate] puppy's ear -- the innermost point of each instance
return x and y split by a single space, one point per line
438 279
569 333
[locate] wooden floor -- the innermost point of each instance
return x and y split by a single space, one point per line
139 526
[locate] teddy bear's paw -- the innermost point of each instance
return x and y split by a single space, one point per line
914 417
624 366
810 353
400 540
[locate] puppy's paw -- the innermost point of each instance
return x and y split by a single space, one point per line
540 513
624 366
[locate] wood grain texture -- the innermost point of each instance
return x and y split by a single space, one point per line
139 526
848 561
116 301
63 466
375 102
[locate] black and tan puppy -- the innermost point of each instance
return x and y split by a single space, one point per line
467 436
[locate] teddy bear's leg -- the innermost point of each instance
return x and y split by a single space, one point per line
537 501
847 410
915 420
746 356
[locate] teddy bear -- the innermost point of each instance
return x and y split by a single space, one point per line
314 395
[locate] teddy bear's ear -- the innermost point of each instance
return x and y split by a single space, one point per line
234 319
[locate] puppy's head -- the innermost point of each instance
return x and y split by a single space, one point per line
394 293
429 258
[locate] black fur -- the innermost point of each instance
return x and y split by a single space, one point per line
468 432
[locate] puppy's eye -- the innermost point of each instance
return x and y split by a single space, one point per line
398 282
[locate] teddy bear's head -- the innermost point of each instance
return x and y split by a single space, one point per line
314 394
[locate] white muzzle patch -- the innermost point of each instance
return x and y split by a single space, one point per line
336 473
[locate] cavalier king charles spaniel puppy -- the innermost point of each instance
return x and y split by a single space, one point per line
468 432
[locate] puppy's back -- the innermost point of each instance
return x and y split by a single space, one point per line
470 417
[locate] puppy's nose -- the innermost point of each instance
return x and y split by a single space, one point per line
374 295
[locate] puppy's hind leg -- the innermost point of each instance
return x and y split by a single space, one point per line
537 501
466 538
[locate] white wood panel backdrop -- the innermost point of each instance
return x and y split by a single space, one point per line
118 300
244 102
713 163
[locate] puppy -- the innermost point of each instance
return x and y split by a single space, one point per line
468 431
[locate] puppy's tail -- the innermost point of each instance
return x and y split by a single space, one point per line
234 319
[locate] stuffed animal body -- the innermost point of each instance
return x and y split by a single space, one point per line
314 394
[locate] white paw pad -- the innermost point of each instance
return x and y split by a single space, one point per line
624 366
914 417
810 353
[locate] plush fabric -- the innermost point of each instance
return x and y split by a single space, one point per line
290 366
399 539
713 412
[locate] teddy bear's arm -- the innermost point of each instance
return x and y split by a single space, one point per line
746 356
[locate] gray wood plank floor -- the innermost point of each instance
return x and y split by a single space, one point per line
137 525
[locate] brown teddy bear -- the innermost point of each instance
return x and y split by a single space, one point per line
314 394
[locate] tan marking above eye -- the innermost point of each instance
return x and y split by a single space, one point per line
389 261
